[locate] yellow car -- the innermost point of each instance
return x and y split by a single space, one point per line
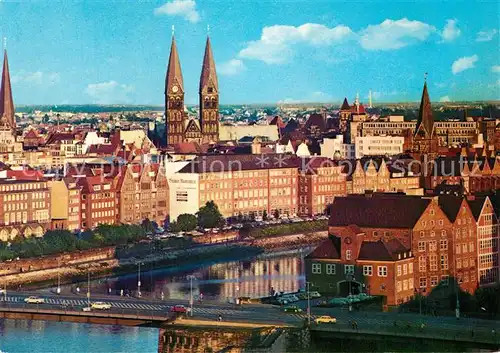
100 306
34 300
325 320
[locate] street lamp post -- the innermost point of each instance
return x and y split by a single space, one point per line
88 288
58 277
308 304
349 279
139 281
191 277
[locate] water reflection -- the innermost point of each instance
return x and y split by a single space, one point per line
220 281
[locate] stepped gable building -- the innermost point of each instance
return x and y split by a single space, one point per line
179 128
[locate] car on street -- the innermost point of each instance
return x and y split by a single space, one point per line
292 309
325 319
87 308
100 306
315 294
34 300
181 309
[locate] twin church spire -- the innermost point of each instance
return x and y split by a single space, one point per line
178 127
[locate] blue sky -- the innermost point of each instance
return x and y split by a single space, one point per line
266 51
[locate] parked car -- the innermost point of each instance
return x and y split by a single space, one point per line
315 294
101 306
181 309
34 300
291 297
292 309
87 308
325 319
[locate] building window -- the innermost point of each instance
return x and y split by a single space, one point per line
434 281
421 264
348 254
443 244
421 246
349 269
382 271
432 245
405 284
367 270
405 269
330 269
423 282
410 267
444 262
316 269
410 283
433 262
398 286
445 280
399 270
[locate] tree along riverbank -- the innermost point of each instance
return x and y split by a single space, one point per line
126 259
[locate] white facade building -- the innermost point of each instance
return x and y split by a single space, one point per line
378 145
184 191
336 148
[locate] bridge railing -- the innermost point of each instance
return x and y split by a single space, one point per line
73 310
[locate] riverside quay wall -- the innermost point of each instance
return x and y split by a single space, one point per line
58 260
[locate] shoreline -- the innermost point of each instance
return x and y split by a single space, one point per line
113 267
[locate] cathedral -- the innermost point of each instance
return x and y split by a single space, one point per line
179 128
7 114
425 140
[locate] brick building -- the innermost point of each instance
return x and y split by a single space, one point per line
98 200
349 264
142 192
488 237
439 231
320 181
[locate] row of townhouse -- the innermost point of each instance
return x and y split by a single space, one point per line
277 183
374 247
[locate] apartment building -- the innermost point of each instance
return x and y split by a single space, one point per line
379 146
66 212
238 184
488 238
142 193
24 208
320 181
98 200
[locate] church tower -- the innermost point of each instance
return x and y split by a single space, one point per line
425 140
174 99
7 112
209 98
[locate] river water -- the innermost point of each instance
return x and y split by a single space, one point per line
222 281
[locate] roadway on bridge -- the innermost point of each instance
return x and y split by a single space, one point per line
253 313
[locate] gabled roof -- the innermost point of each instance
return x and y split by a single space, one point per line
381 250
328 249
476 205
450 205
377 211
315 119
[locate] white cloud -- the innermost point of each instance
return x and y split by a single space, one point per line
37 77
495 68
495 85
183 8
231 67
391 34
450 31
440 84
109 92
376 95
275 43
464 63
486 36
445 99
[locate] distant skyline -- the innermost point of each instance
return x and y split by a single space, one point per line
265 51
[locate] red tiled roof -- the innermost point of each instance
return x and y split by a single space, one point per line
360 110
328 249
377 211
381 250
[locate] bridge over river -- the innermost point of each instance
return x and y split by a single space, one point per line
140 312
